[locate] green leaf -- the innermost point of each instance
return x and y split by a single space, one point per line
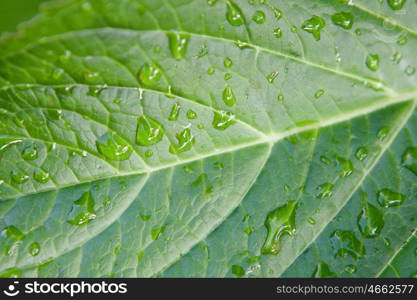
143 138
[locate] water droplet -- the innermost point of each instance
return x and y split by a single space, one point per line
19 176
402 40
82 211
271 77
34 249
41 176
228 63
57 73
382 133
149 131
211 2
157 232
242 45
278 32
322 270
409 159
396 4
223 120
343 19
346 243
410 70
227 76
229 97
319 93
372 62
30 152
11 273
148 153
175 112
351 269
312 221
234 15
145 218
178 43
149 75
211 71
185 142
277 12
280 97
326 190
238 271
361 153
346 167
12 232
370 221
259 17
389 198
200 180
314 26
279 222
113 147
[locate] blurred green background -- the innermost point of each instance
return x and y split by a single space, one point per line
13 12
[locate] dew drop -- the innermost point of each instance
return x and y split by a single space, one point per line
396 4
149 75
410 70
233 14
149 131
11 273
82 211
314 26
227 76
30 152
389 198
402 40
113 147
325 190
175 112
229 97
312 221
322 270
157 232
238 271
279 222
351 269
178 43
57 73
343 19
41 176
34 248
19 176
370 221
361 153
409 159
185 142
228 63
191 115
259 17
278 32
344 242
280 97
277 12
319 93
372 62
211 2
382 133
272 76
223 120
346 167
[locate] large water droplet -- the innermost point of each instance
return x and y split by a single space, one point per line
223 120
82 211
346 243
185 142
229 97
389 198
370 221
19 176
396 4
149 75
30 152
314 26
178 43
346 167
41 176
343 19
149 132
322 270
113 147
234 15
409 159
279 222
361 153
372 62
259 17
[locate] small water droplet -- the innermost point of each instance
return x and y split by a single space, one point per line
227 76
30 152
228 63
370 221
223 120
323 270
238 271
396 4
277 12
343 19
233 14
279 222
82 211
149 75
351 269
272 76
372 62
319 93
229 97
113 147
382 133
409 159
346 167
34 248
314 26
277 32
410 70
389 198
280 97
148 153
325 190
11 273
157 232
57 73
312 221
361 153
41 176
185 142
19 176
178 43
149 131
211 2
259 17
402 40
191 115
344 242
175 112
